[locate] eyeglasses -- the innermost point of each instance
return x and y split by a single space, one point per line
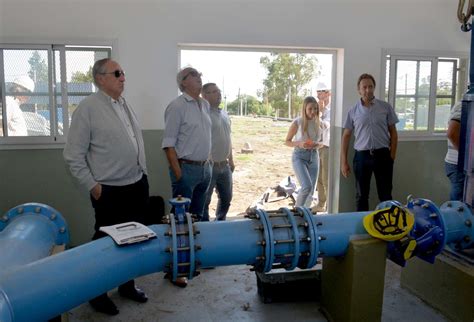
323 91
117 73
193 73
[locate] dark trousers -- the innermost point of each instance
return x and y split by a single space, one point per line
118 204
380 164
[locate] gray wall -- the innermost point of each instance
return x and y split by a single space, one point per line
42 176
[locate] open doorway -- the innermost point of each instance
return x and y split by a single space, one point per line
262 91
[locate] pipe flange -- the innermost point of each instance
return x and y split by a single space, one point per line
457 209
312 230
174 249
39 209
427 215
268 235
296 237
179 241
191 242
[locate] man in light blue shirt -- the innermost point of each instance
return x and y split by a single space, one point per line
373 123
221 153
187 141
187 144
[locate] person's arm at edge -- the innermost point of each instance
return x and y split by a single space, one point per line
454 132
172 157
289 137
75 151
393 141
172 125
231 160
345 167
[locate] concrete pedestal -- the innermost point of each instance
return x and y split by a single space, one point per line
447 285
352 287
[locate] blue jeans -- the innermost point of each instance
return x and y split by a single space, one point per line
456 177
306 167
221 179
193 185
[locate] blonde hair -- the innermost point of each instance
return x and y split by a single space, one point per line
304 117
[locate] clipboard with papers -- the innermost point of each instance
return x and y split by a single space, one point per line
128 233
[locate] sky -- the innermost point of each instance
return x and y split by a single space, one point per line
234 70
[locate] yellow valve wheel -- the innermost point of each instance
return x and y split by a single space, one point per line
389 224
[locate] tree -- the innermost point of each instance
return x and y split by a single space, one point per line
287 74
80 77
38 68
250 104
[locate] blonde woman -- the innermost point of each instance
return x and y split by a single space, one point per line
304 136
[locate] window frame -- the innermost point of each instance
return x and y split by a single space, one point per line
459 77
54 140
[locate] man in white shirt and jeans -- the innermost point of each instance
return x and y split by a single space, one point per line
221 153
456 176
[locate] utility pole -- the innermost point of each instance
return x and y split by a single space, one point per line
289 101
246 105
240 99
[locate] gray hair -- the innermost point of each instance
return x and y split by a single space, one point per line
182 74
99 68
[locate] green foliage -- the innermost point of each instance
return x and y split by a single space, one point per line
250 104
38 68
243 157
80 77
287 73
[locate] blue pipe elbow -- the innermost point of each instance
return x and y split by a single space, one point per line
28 233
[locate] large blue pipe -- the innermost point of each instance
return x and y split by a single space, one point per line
28 233
271 239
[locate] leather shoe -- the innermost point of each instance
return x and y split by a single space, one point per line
134 294
104 305
180 281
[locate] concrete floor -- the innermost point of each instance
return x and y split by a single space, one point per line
230 294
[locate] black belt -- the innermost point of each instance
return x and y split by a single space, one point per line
201 163
220 163
372 151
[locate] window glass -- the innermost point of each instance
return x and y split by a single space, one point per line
412 94
445 93
43 85
27 95
387 79
413 99
442 111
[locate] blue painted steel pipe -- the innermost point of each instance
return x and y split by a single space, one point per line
268 240
28 233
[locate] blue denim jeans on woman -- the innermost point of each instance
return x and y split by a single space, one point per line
193 184
306 167
221 179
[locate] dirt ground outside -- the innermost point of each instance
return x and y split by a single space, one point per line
254 172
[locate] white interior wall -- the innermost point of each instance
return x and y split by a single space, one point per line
146 34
